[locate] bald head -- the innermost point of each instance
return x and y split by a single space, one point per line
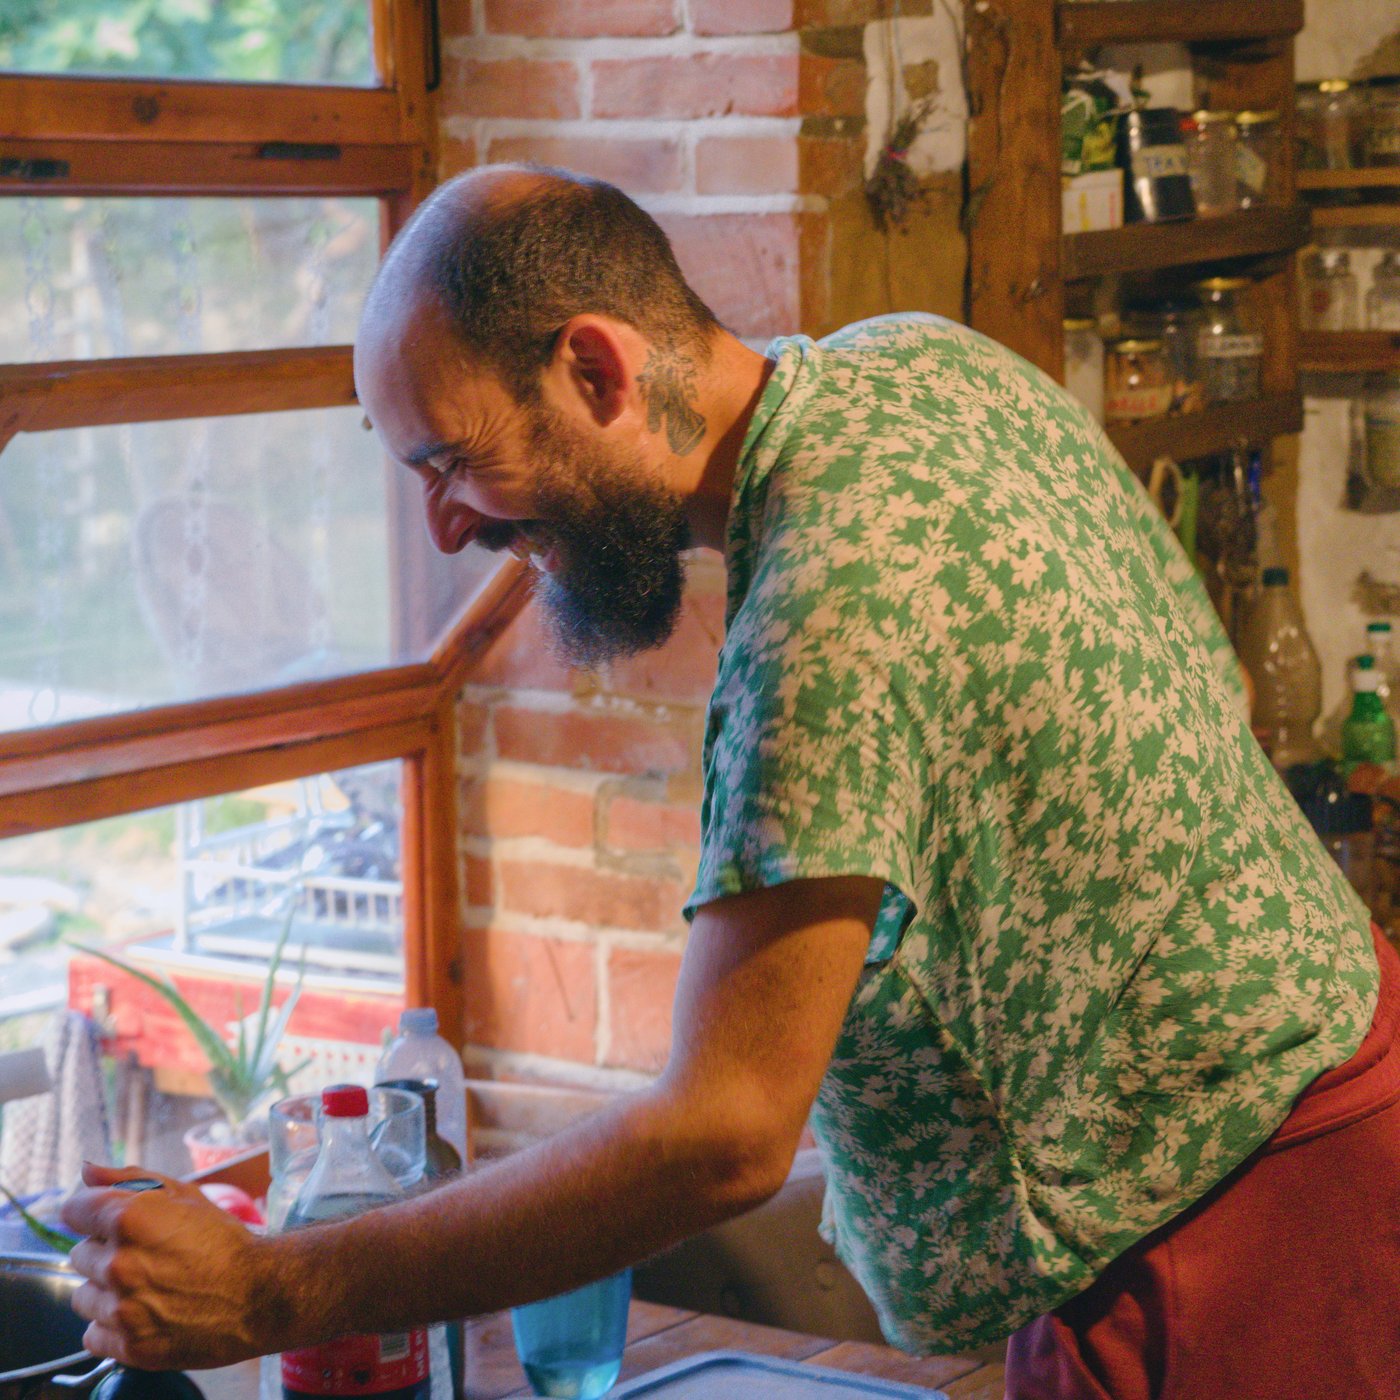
503 256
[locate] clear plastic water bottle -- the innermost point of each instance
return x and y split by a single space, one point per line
347 1179
419 1052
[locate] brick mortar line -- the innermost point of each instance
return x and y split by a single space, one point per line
627 128
492 48
579 780
482 917
566 1073
602 1024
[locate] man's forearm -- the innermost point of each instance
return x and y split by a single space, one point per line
631 1180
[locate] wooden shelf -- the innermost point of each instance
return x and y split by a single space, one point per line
1251 233
1357 216
1349 352
1215 429
1375 177
1088 23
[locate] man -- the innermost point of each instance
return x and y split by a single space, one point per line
994 885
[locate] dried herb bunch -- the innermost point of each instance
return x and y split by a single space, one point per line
893 189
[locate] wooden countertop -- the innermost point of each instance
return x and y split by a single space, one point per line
658 1335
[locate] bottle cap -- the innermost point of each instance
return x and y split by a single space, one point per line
419 1020
344 1101
1275 576
1366 662
1378 628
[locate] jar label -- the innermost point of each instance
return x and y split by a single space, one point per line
1252 169
1231 347
1131 405
360 1365
1382 448
1159 162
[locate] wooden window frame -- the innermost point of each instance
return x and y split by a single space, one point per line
135 136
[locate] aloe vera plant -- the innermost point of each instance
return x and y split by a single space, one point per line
243 1073
55 1239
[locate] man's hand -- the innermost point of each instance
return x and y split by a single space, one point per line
172 1280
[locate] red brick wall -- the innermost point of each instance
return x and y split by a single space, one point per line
739 124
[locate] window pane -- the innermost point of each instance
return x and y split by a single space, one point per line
89 278
197 892
152 562
311 41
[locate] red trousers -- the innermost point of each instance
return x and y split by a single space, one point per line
1282 1284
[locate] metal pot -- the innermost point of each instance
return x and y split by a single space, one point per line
41 1337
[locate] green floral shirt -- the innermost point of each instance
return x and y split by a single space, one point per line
966 656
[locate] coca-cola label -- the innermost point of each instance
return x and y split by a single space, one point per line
1231 347
1159 162
359 1365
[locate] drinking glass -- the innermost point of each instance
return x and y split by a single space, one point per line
294 1137
571 1345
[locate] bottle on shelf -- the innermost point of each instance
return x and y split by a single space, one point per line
419 1052
1368 733
348 1178
1381 644
1275 649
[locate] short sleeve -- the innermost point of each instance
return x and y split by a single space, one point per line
812 748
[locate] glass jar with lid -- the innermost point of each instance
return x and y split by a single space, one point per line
1211 140
1176 322
1383 300
1229 347
1382 144
1084 362
1330 300
1382 414
1137 384
1337 123
1256 158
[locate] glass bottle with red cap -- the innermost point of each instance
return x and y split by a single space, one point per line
348 1178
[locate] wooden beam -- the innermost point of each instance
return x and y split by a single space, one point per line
1250 233
1349 352
1215 429
197 741
155 388
1015 289
1084 24
92 797
62 108
1370 177
434 972
202 168
1355 216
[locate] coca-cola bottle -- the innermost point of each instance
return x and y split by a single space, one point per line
348 1178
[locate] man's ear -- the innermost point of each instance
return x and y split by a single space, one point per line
590 368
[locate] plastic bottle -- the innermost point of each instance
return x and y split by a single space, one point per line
1380 643
346 1179
1368 733
1276 651
420 1053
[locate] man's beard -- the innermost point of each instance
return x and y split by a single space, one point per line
618 533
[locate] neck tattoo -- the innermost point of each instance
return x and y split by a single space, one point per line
667 383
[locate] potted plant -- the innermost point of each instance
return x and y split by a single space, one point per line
244 1072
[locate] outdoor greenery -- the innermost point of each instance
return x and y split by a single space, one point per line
310 41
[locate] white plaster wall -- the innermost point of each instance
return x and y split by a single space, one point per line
892 46
1342 38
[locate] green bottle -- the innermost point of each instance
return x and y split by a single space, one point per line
1368 733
